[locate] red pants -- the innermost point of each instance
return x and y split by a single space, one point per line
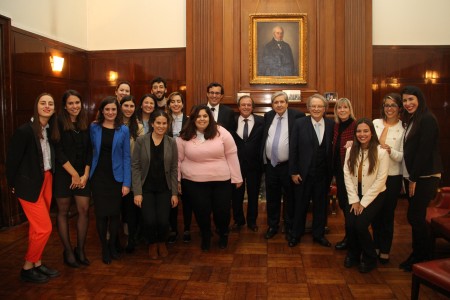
38 214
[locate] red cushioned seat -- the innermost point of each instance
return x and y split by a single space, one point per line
434 273
436 212
441 227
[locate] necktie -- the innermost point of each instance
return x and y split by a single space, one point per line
245 135
213 112
317 129
276 141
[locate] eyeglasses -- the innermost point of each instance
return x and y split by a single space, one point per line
215 93
390 105
317 107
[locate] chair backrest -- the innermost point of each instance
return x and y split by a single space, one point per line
443 198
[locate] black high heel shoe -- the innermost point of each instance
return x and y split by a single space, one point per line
84 261
72 264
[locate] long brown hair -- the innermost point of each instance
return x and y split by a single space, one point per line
64 116
372 152
101 118
190 130
36 124
132 122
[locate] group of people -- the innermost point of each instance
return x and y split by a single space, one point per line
136 162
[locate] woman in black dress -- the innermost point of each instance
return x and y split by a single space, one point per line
110 172
73 156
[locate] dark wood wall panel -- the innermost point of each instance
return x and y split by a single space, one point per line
397 66
138 67
339 40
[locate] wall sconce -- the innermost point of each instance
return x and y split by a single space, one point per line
431 76
57 63
393 82
113 75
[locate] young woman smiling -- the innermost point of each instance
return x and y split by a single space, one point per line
365 170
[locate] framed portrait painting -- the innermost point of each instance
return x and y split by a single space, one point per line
278 48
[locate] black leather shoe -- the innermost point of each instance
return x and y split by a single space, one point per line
33 276
407 262
383 261
223 242
51 273
322 241
366 267
72 264
342 245
187 237
172 238
81 261
350 262
253 227
293 242
206 244
106 256
270 233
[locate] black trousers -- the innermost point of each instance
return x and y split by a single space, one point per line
252 179
132 214
187 214
312 188
155 214
383 224
359 238
207 197
426 189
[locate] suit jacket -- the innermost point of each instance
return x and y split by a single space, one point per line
303 145
183 122
268 119
226 118
140 163
249 151
25 163
421 151
121 160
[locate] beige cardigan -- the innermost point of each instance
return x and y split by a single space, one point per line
372 184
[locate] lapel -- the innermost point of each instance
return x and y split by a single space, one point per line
116 138
147 141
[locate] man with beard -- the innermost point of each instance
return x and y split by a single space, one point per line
159 90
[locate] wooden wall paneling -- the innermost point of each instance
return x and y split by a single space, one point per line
326 46
78 70
8 203
358 55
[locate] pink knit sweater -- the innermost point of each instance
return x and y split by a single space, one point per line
213 160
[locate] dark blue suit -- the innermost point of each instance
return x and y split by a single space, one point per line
313 162
251 169
278 180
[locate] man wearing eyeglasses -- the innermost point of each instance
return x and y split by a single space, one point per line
277 133
310 167
223 114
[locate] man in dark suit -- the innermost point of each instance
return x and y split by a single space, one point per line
223 114
310 168
248 139
278 125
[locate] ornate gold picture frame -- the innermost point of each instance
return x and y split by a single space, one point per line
278 48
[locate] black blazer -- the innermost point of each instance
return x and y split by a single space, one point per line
226 118
169 130
268 119
25 163
303 144
249 150
421 151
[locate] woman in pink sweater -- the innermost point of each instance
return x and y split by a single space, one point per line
208 165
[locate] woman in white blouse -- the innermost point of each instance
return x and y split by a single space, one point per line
365 173
390 133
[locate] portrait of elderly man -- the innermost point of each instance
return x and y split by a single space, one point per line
276 58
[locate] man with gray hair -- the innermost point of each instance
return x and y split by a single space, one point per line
310 167
277 58
278 125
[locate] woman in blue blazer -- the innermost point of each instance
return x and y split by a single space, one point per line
110 172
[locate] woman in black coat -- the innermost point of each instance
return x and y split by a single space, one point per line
423 168
29 166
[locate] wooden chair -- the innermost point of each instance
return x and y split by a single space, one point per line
434 274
